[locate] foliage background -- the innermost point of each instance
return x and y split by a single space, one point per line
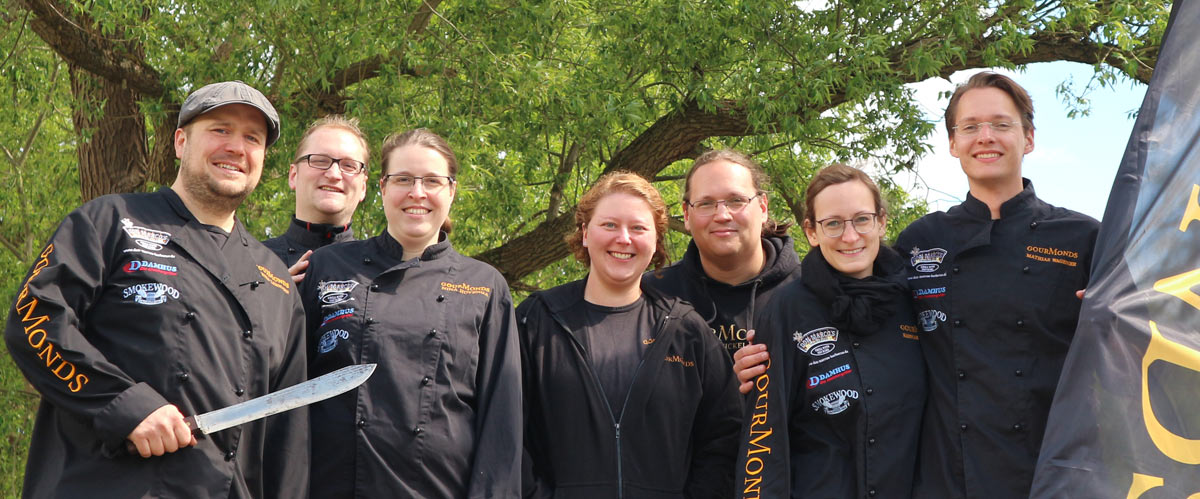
538 97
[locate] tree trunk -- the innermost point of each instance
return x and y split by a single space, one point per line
112 135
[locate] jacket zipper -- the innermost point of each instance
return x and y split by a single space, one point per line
616 420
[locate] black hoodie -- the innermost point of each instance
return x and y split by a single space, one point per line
728 309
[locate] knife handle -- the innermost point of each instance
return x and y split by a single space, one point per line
191 424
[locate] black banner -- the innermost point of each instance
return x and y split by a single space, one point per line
1126 416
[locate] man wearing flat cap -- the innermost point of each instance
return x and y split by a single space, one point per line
146 308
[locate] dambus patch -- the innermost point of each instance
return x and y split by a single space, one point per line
148 266
818 342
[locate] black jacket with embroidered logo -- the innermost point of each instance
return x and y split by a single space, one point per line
677 434
302 236
441 415
842 413
133 305
996 302
687 280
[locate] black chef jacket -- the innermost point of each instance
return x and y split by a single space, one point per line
303 236
441 415
729 310
133 305
996 304
852 402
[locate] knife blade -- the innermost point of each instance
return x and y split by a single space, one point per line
298 395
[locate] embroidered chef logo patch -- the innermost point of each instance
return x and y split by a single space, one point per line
466 289
147 266
329 340
151 293
929 319
927 293
271 278
335 292
835 402
818 342
830 375
153 240
929 260
1052 255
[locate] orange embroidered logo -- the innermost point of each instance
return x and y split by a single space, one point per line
1052 255
648 341
36 336
275 281
467 289
681 360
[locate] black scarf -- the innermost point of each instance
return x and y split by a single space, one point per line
859 306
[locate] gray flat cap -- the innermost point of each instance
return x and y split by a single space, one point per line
215 95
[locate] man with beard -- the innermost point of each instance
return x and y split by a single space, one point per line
144 308
737 256
329 177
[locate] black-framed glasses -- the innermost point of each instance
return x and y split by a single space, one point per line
998 127
708 207
322 162
431 183
834 227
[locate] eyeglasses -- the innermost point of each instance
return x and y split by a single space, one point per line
834 227
708 207
322 162
998 127
431 183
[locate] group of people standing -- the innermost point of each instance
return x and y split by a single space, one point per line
924 370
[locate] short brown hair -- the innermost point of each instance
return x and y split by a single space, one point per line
337 121
758 177
425 138
988 79
835 174
627 183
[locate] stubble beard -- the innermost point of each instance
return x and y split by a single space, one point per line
210 192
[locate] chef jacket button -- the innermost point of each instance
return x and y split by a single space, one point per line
1018 427
183 376
963 427
417 430
1018 373
870 391
239 392
441 298
871 441
957 322
955 269
371 320
1025 269
291 250
367 260
1020 323
230 455
190 316
871 492
433 332
362 423
247 334
374 287
962 375
1032 225
855 344
426 380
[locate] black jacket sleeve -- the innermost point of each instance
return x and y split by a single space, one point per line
46 338
496 470
286 469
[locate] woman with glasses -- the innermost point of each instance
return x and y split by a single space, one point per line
627 393
441 416
845 389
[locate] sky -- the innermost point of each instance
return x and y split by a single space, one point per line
1074 161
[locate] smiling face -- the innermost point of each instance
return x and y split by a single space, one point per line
620 240
415 215
852 254
328 196
725 235
221 156
990 159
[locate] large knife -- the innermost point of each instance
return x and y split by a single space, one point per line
298 395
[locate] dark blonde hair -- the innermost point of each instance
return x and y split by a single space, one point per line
625 183
337 121
989 79
757 176
422 137
835 174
